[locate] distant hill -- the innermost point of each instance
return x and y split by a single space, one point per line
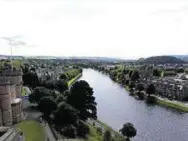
161 60
182 57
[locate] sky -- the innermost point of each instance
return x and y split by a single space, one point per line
108 28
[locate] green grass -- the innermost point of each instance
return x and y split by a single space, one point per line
118 137
23 92
93 134
174 105
74 79
32 130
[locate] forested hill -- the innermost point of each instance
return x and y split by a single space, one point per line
161 60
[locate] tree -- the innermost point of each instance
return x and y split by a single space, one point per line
63 76
81 97
69 131
156 72
65 115
135 75
38 93
107 136
31 79
131 86
128 130
61 85
150 90
140 87
82 129
47 105
130 73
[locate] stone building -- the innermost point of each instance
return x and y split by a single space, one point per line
10 97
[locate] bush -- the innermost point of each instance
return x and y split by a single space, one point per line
82 129
107 136
151 100
99 130
69 131
140 95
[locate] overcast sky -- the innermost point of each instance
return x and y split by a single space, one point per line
109 28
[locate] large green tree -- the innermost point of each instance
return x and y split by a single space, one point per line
61 85
65 114
156 72
150 90
39 93
47 105
31 79
128 130
135 75
81 97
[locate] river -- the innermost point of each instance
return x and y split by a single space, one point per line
115 107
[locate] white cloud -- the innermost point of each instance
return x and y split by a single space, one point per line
128 29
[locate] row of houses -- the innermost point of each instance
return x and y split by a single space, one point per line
172 87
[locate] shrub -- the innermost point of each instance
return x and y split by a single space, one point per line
99 130
151 100
69 131
140 95
82 129
107 136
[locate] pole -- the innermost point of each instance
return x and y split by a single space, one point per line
11 56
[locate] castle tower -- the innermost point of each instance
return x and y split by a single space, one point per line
5 103
10 93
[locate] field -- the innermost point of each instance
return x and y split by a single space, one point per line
32 130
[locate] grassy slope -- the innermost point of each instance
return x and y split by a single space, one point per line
32 130
74 79
23 93
174 105
93 134
117 135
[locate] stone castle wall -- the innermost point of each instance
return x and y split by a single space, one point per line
10 89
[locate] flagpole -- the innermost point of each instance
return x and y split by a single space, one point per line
11 55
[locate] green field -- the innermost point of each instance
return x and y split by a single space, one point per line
32 130
174 105
74 79
23 92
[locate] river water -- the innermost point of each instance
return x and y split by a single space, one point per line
115 107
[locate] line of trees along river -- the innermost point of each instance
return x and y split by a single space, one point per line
115 107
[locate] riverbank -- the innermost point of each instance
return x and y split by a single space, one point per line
98 129
165 102
172 104
73 80
161 101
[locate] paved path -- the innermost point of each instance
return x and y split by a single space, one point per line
48 132
34 114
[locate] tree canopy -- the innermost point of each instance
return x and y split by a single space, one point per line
81 97
44 102
128 130
65 115
150 89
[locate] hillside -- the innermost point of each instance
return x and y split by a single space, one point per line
161 60
182 57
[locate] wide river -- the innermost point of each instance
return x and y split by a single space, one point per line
115 107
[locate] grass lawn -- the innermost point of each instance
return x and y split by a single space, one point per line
23 92
74 79
32 130
174 105
93 134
